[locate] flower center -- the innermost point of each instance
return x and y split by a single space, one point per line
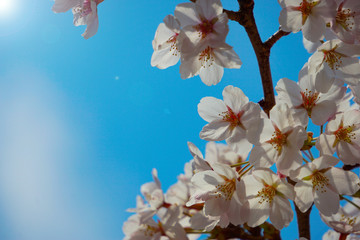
232 118
333 58
227 189
206 27
279 139
149 231
266 194
309 100
345 18
348 220
305 8
206 57
85 9
173 47
319 181
344 134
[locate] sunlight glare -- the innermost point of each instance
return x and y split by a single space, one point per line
7 8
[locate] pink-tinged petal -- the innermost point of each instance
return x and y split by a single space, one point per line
260 132
206 180
349 70
287 190
210 108
263 156
304 195
259 212
200 164
325 144
281 115
186 14
194 150
215 206
288 3
291 160
310 46
290 21
162 35
326 201
251 114
344 182
172 23
325 8
210 8
238 142
224 170
65 5
92 25
237 213
350 50
348 153
281 213
289 91
216 131
325 161
189 67
164 58
302 172
324 80
189 41
322 112
211 75
221 29
234 98
227 58
314 28
352 117
265 176
249 187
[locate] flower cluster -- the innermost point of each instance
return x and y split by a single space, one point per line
196 36
268 159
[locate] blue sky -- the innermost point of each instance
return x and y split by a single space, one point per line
83 122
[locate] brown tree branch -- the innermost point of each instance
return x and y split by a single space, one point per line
303 219
275 37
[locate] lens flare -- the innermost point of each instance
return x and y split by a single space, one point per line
7 8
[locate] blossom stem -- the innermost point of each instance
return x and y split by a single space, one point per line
321 129
192 231
239 164
343 236
311 155
305 160
246 171
307 155
349 201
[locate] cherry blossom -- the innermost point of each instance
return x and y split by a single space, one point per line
346 24
342 135
165 43
268 196
167 228
277 140
203 25
306 15
85 13
209 63
217 190
321 183
334 59
306 101
228 119
343 221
